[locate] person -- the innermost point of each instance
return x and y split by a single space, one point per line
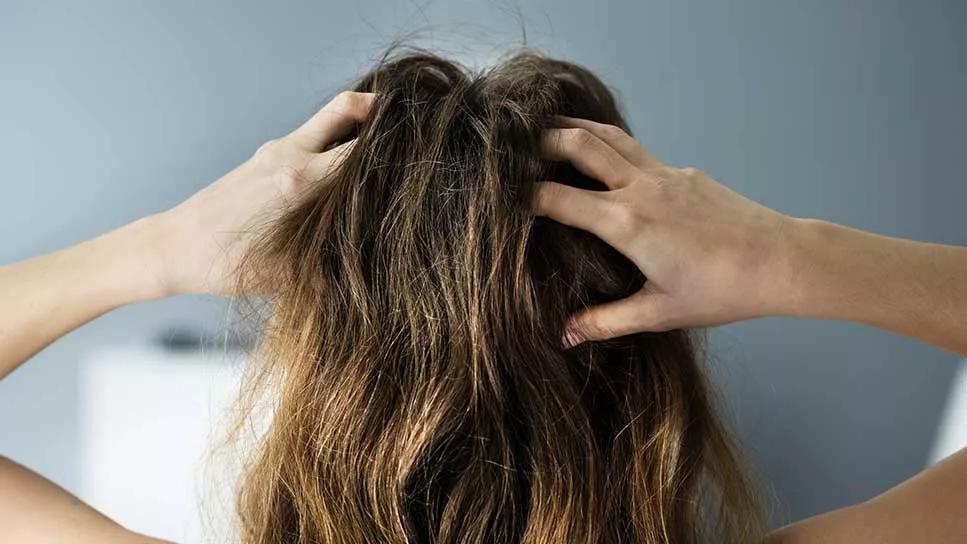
484 298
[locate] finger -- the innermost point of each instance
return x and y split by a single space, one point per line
321 164
589 154
638 313
616 137
335 119
579 208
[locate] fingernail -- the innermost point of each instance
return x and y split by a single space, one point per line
570 339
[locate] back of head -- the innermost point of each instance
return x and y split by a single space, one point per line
415 342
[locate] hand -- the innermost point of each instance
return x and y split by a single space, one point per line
710 255
207 234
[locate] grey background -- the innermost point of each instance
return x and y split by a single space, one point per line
849 111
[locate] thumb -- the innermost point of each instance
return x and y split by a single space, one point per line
638 313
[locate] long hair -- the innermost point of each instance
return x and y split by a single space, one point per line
420 392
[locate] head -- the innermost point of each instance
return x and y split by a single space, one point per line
420 389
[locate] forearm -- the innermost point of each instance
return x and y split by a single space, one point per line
912 288
46 297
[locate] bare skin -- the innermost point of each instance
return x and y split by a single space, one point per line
711 256
714 257
191 248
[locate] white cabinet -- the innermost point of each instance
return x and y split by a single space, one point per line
952 430
147 419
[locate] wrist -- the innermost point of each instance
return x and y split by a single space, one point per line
802 243
134 255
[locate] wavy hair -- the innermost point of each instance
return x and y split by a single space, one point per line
420 392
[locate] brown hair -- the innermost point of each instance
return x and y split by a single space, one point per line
421 393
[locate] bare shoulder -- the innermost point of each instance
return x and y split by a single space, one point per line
853 525
34 510
927 508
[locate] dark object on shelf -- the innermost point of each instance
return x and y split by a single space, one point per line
185 338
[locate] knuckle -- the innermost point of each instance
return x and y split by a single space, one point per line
287 180
550 192
267 147
578 138
343 98
613 131
667 183
547 196
666 197
350 100
538 201
690 172
624 222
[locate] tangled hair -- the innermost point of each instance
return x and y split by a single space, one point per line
420 390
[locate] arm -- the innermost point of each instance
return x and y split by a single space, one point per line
712 257
912 288
926 508
43 299
48 296
192 248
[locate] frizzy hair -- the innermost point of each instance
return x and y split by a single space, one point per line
412 350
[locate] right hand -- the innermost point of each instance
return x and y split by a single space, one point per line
710 255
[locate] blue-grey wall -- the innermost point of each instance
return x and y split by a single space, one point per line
846 110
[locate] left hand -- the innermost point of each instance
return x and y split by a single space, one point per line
206 235
711 255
